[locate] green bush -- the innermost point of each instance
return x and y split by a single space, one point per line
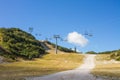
115 55
20 43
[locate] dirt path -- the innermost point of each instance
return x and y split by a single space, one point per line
81 73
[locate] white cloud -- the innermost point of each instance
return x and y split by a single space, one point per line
77 39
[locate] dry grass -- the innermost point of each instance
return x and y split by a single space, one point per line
103 57
48 64
106 67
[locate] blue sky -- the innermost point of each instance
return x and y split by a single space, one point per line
48 17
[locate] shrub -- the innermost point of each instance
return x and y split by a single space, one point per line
20 43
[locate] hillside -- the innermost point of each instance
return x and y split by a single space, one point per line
51 46
115 54
17 43
48 64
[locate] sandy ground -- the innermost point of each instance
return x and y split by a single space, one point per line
80 73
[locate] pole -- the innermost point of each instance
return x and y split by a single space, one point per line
75 49
56 37
56 47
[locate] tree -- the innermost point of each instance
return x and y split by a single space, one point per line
91 52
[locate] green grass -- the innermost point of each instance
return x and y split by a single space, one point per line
48 64
105 67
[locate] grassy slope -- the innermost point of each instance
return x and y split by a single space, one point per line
106 67
15 43
48 64
61 48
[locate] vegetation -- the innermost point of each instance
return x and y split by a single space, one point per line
19 43
49 63
106 67
113 54
106 52
91 52
61 48
116 55
103 57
